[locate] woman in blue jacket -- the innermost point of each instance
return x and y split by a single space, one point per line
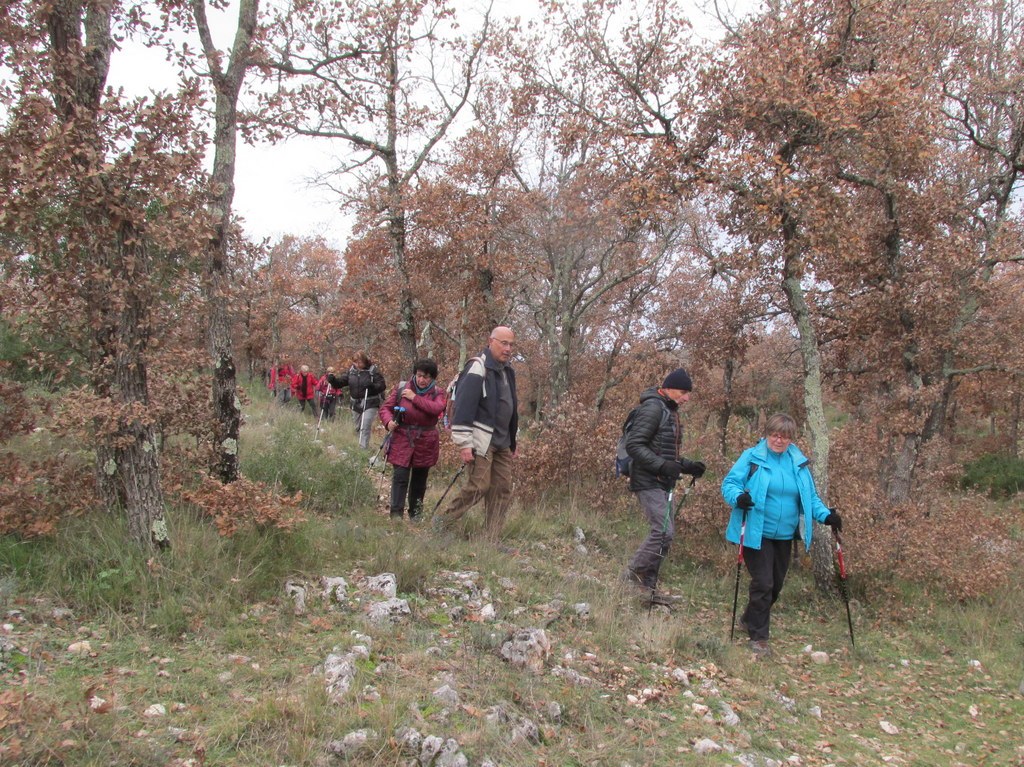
772 492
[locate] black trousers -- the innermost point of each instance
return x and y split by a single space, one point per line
329 405
411 482
767 567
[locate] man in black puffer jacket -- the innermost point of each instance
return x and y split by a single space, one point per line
653 443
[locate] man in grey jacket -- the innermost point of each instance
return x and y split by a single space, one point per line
484 425
653 442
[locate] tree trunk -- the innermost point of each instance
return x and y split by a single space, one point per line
227 410
137 451
406 310
725 413
817 428
810 354
396 211
1015 416
107 487
115 282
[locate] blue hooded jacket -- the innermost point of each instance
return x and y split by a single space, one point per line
740 478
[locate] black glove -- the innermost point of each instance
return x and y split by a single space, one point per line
744 501
672 470
834 521
695 469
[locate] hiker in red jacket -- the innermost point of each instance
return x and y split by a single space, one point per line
327 395
280 382
304 389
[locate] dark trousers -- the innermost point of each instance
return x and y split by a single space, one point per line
329 405
767 567
411 481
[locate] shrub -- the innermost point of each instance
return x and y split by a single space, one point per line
40 483
572 452
999 475
245 502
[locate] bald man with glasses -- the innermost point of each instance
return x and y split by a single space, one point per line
484 426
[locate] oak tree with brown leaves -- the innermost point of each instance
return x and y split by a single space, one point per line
99 193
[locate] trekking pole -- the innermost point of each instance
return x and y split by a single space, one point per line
440 500
739 564
320 420
384 468
843 592
387 440
686 493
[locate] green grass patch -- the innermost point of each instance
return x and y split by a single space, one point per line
281 452
999 475
206 630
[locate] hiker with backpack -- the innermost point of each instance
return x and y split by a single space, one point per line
410 415
484 423
772 495
653 437
365 387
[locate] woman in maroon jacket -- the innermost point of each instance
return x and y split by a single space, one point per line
410 415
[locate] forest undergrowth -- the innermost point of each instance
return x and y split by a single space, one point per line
203 654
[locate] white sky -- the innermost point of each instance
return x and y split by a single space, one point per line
274 194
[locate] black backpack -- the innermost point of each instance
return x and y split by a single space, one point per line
623 461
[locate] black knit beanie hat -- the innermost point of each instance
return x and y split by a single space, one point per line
678 379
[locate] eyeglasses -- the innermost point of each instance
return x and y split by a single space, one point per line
505 344
780 438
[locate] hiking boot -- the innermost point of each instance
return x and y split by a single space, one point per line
440 527
760 648
633 579
661 598
744 627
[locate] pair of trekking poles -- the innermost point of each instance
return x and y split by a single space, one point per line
840 574
840 563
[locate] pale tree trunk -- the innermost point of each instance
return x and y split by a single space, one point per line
725 413
817 428
227 411
559 349
1015 417
406 310
810 354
